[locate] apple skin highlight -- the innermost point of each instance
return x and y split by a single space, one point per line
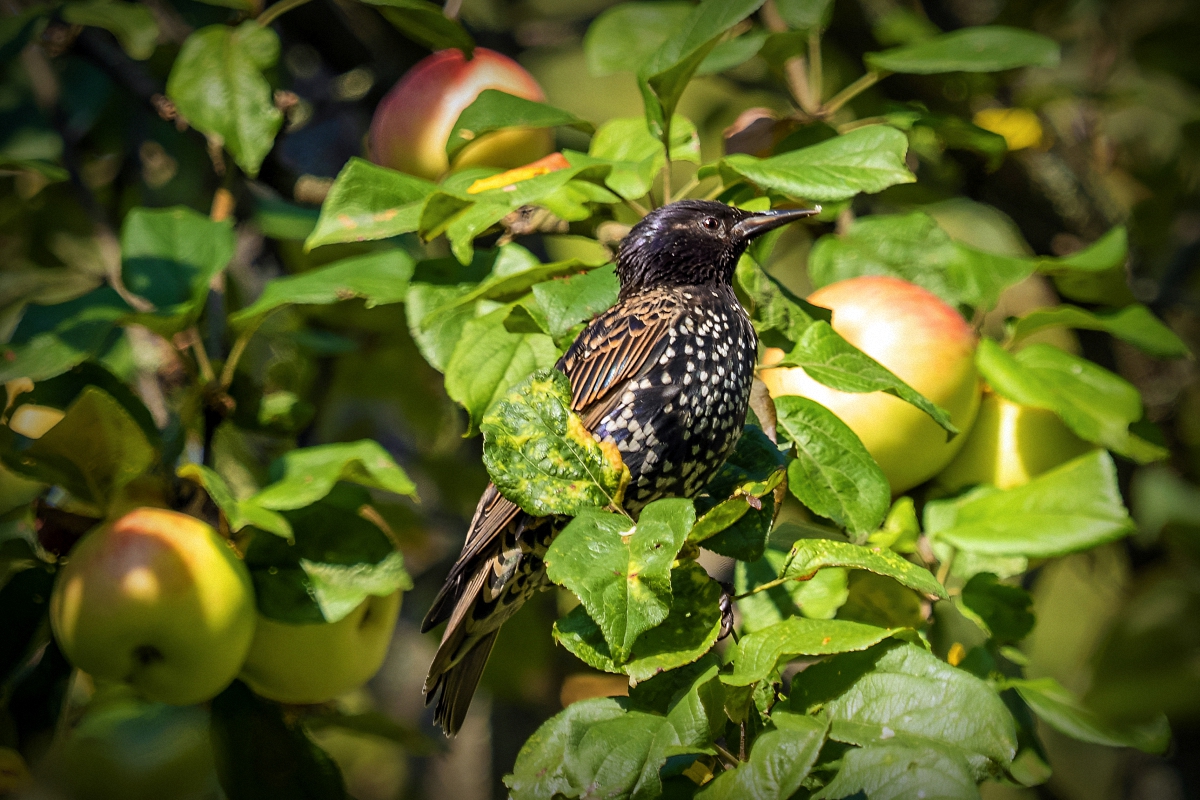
414 120
921 339
159 600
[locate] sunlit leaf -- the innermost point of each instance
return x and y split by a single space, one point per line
622 572
833 474
305 475
1134 324
378 278
366 202
688 632
868 159
779 761
217 82
493 110
903 768
810 555
759 652
1073 507
131 23
426 24
542 458
1064 712
1095 404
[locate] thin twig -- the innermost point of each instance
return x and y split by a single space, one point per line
730 759
763 587
637 207
275 11
850 92
235 354
197 345
944 568
815 77
666 193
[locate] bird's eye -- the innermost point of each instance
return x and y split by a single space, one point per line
710 223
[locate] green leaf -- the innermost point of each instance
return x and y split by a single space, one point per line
868 159
52 339
779 316
621 572
305 475
378 278
805 14
829 359
217 83
367 202
17 28
779 761
339 588
336 559
623 37
169 257
597 747
569 301
900 529
758 653
131 23
540 456
810 555
1095 274
238 513
426 24
93 452
903 769
63 390
819 597
1106 253
733 52
1073 507
833 474
260 755
1062 711
1094 403
984 48
913 248
668 70
541 769
432 306
735 522
637 156
1134 324
1005 610
902 691
494 110
689 631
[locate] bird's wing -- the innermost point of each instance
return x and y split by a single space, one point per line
619 345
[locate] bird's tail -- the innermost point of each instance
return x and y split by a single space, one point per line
458 684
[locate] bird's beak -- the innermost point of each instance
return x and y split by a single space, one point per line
764 221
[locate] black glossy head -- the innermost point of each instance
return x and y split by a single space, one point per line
692 243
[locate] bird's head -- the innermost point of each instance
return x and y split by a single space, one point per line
692 243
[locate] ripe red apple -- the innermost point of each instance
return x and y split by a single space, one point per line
925 342
413 122
316 663
1009 445
159 600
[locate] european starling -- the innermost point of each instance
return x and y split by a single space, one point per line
664 374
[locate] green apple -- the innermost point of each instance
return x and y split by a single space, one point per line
921 339
159 600
1009 445
126 748
317 662
414 120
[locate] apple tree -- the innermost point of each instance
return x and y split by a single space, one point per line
290 377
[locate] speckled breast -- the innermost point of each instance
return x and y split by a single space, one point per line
680 419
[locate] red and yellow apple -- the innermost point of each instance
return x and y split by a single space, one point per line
414 120
921 339
1009 445
315 663
159 600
